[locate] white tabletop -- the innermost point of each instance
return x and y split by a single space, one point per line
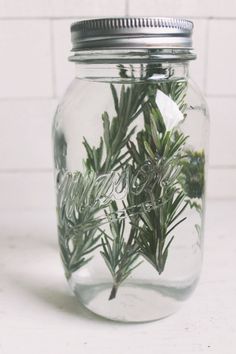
38 314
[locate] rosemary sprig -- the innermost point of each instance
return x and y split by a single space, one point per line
163 150
116 132
80 195
159 172
79 201
120 256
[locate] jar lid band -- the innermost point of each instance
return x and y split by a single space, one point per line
132 32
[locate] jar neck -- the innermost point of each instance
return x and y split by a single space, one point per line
137 72
136 65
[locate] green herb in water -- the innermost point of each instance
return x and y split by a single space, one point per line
161 177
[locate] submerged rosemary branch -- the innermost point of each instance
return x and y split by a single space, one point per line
80 195
156 165
78 203
163 150
158 184
120 257
116 132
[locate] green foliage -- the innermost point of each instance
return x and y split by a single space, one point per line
163 176
192 177
79 200
80 195
116 132
164 151
120 257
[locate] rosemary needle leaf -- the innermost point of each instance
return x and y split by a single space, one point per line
154 208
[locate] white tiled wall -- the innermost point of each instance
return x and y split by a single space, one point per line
25 134
25 60
221 79
64 70
189 8
34 72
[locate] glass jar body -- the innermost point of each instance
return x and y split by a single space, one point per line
130 159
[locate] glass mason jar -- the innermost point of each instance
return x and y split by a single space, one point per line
130 138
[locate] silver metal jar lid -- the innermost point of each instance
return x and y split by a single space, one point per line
132 32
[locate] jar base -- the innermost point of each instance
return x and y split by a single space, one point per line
133 302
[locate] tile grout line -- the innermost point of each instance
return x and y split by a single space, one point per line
127 10
25 170
222 167
209 95
70 17
28 98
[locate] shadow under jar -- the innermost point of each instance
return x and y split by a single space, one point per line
130 138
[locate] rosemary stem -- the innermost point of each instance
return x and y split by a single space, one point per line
116 284
113 292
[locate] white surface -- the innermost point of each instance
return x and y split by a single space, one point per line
183 8
221 183
221 79
39 315
60 8
222 114
25 134
198 67
21 190
64 70
72 8
25 60
24 8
